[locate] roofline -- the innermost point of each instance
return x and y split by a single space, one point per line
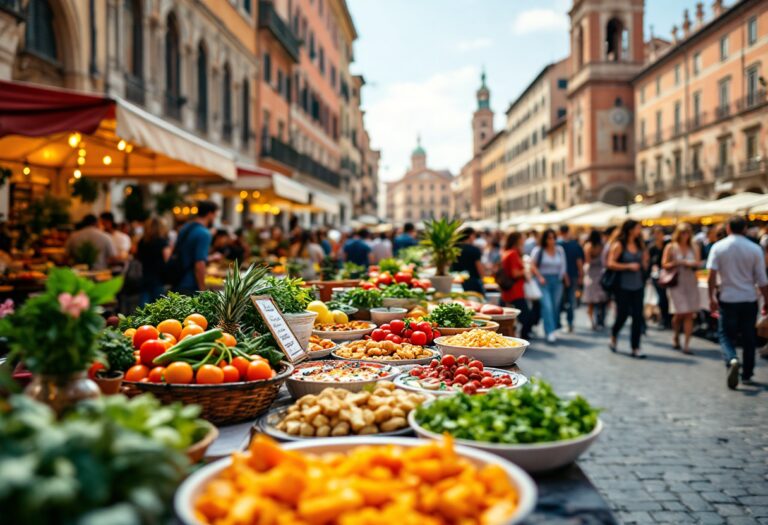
493 139
347 17
694 38
559 124
522 95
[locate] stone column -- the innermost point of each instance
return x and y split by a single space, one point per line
10 29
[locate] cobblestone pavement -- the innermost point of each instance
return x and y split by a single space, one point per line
679 447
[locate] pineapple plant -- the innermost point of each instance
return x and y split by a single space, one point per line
441 237
235 299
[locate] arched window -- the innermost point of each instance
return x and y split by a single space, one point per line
202 87
226 103
39 37
133 31
245 120
613 40
172 68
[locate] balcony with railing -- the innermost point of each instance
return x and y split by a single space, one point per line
658 185
697 121
642 143
694 177
752 100
723 111
659 137
270 20
173 105
285 154
724 172
134 89
753 166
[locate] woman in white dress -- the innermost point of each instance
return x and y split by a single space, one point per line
682 255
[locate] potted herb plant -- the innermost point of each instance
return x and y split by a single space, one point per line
55 336
292 296
441 237
108 372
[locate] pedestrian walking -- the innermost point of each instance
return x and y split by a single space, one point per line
574 268
682 256
655 255
405 239
628 258
738 265
513 267
594 295
470 262
152 251
548 264
381 248
190 253
357 250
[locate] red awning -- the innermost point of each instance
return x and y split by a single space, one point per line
32 111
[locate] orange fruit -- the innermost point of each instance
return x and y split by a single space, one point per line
136 373
259 370
209 375
144 333
231 374
241 364
156 374
167 339
191 329
179 372
129 333
227 339
170 326
197 319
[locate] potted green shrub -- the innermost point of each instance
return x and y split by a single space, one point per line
117 358
292 296
441 238
55 336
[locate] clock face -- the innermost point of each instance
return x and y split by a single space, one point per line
620 117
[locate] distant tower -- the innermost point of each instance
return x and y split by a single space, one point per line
606 54
419 156
482 119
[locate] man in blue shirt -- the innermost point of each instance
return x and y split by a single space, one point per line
192 245
357 250
574 267
405 239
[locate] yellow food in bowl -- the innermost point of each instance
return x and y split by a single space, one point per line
427 485
480 339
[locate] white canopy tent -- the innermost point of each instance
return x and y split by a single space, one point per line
735 203
606 217
568 214
669 209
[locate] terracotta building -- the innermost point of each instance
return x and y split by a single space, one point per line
493 170
607 52
468 185
422 193
702 113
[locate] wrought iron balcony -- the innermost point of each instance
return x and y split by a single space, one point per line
697 121
724 172
285 154
694 177
752 100
134 89
658 185
658 138
723 111
173 105
642 143
753 166
270 20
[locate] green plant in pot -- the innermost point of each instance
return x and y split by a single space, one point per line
55 336
117 357
292 296
441 238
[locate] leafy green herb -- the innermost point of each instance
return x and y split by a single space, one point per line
291 295
359 298
174 306
389 265
451 315
117 350
264 345
351 270
401 291
530 414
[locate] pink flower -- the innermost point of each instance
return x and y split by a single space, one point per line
6 308
74 305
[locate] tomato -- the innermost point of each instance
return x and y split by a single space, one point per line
368 286
170 326
476 364
386 326
241 364
463 369
488 382
422 326
469 389
227 339
167 339
397 326
136 373
150 350
94 369
394 338
231 374
403 277
209 375
462 360
407 333
460 379
179 372
448 360
434 363
259 370
378 335
156 374
384 278
144 333
435 334
191 329
419 338
129 333
424 284
197 319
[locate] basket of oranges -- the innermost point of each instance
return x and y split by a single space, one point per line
188 362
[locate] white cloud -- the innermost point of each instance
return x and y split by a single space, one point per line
439 108
539 20
474 44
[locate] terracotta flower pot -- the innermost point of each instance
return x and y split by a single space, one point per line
110 385
196 451
61 392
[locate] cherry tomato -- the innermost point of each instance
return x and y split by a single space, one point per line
259 370
469 389
209 375
368 286
435 334
231 374
476 364
384 278
462 360
448 360
403 277
394 338
94 369
386 326
463 369
460 379
488 382
407 333
434 363
150 350
179 372
397 326
136 373
144 333
418 338
378 335
241 364
156 374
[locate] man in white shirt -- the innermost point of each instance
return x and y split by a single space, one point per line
101 244
739 266
121 241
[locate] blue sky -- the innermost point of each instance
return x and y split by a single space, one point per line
422 59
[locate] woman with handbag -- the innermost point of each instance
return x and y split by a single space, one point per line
627 258
594 296
679 263
548 264
512 289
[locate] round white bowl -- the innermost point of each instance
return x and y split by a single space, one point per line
482 324
496 357
532 457
509 313
349 335
405 382
320 354
381 316
434 353
298 388
526 489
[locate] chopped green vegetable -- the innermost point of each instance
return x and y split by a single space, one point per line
451 315
359 298
390 265
530 414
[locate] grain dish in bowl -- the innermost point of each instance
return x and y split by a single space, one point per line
388 351
344 331
489 347
314 376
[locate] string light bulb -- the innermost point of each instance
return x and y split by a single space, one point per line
177 210
128 148
77 174
81 152
80 161
107 160
121 145
256 194
243 194
26 170
74 139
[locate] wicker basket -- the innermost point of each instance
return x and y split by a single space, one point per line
222 404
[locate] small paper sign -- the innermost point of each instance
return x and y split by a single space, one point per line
277 324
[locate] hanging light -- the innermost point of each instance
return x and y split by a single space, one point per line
74 139
243 194
121 145
193 210
128 148
107 160
128 190
177 210
80 161
26 170
275 210
77 174
256 194
185 210
239 207
81 152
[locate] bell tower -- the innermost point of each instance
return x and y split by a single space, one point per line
606 53
482 118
